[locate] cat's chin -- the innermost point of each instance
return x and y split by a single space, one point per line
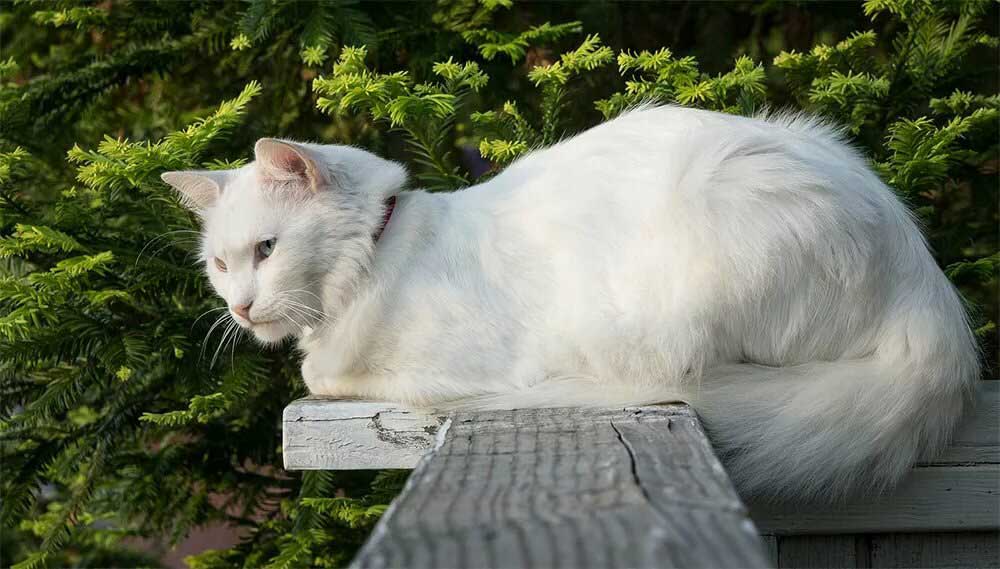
271 333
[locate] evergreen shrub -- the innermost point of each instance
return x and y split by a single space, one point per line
129 411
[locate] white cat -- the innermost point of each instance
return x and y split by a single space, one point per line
755 268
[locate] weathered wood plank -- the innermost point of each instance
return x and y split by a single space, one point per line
977 438
335 434
888 550
957 491
821 552
935 550
568 488
332 434
938 498
771 548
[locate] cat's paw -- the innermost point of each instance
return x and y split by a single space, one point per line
320 381
314 378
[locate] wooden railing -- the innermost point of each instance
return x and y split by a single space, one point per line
636 487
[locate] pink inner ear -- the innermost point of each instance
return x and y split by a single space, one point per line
285 159
287 162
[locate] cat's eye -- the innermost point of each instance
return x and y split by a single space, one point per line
220 264
264 248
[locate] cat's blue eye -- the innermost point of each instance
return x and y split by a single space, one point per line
264 248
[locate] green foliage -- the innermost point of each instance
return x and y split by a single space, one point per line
661 77
323 24
83 330
425 111
119 420
505 133
492 43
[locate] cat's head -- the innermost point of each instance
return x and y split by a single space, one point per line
287 237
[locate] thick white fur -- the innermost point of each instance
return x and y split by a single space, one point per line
755 268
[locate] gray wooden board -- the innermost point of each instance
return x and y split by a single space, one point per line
950 550
932 498
342 434
957 490
935 550
820 551
977 438
637 487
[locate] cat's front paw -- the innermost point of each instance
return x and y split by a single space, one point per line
315 379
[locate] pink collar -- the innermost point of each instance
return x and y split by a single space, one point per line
390 206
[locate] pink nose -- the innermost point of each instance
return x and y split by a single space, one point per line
243 310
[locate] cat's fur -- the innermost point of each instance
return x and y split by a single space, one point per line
756 268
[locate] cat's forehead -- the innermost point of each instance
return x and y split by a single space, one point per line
245 210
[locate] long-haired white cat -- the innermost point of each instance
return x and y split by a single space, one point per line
755 268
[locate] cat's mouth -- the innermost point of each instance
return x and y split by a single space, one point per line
270 331
247 323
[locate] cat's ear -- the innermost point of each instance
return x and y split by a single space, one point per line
199 189
288 161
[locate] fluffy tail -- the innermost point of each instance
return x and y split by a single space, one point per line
820 429
824 429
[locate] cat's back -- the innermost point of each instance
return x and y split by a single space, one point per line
666 186
659 162
651 149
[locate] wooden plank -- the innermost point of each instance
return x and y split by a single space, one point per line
934 498
887 550
333 434
977 438
573 488
820 551
935 550
957 491
771 548
330 434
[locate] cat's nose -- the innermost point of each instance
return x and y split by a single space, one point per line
243 310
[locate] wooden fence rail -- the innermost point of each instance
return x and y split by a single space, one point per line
568 488
637 487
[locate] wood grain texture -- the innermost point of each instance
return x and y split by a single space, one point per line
334 434
820 551
941 498
338 434
935 550
568 488
957 491
977 439
950 550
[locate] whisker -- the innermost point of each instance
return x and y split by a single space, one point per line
222 342
287 296
295 321
310 293
319 314
204 343
236 340
300 312
203 314
164 235
289 317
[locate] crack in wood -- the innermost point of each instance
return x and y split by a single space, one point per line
632 463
